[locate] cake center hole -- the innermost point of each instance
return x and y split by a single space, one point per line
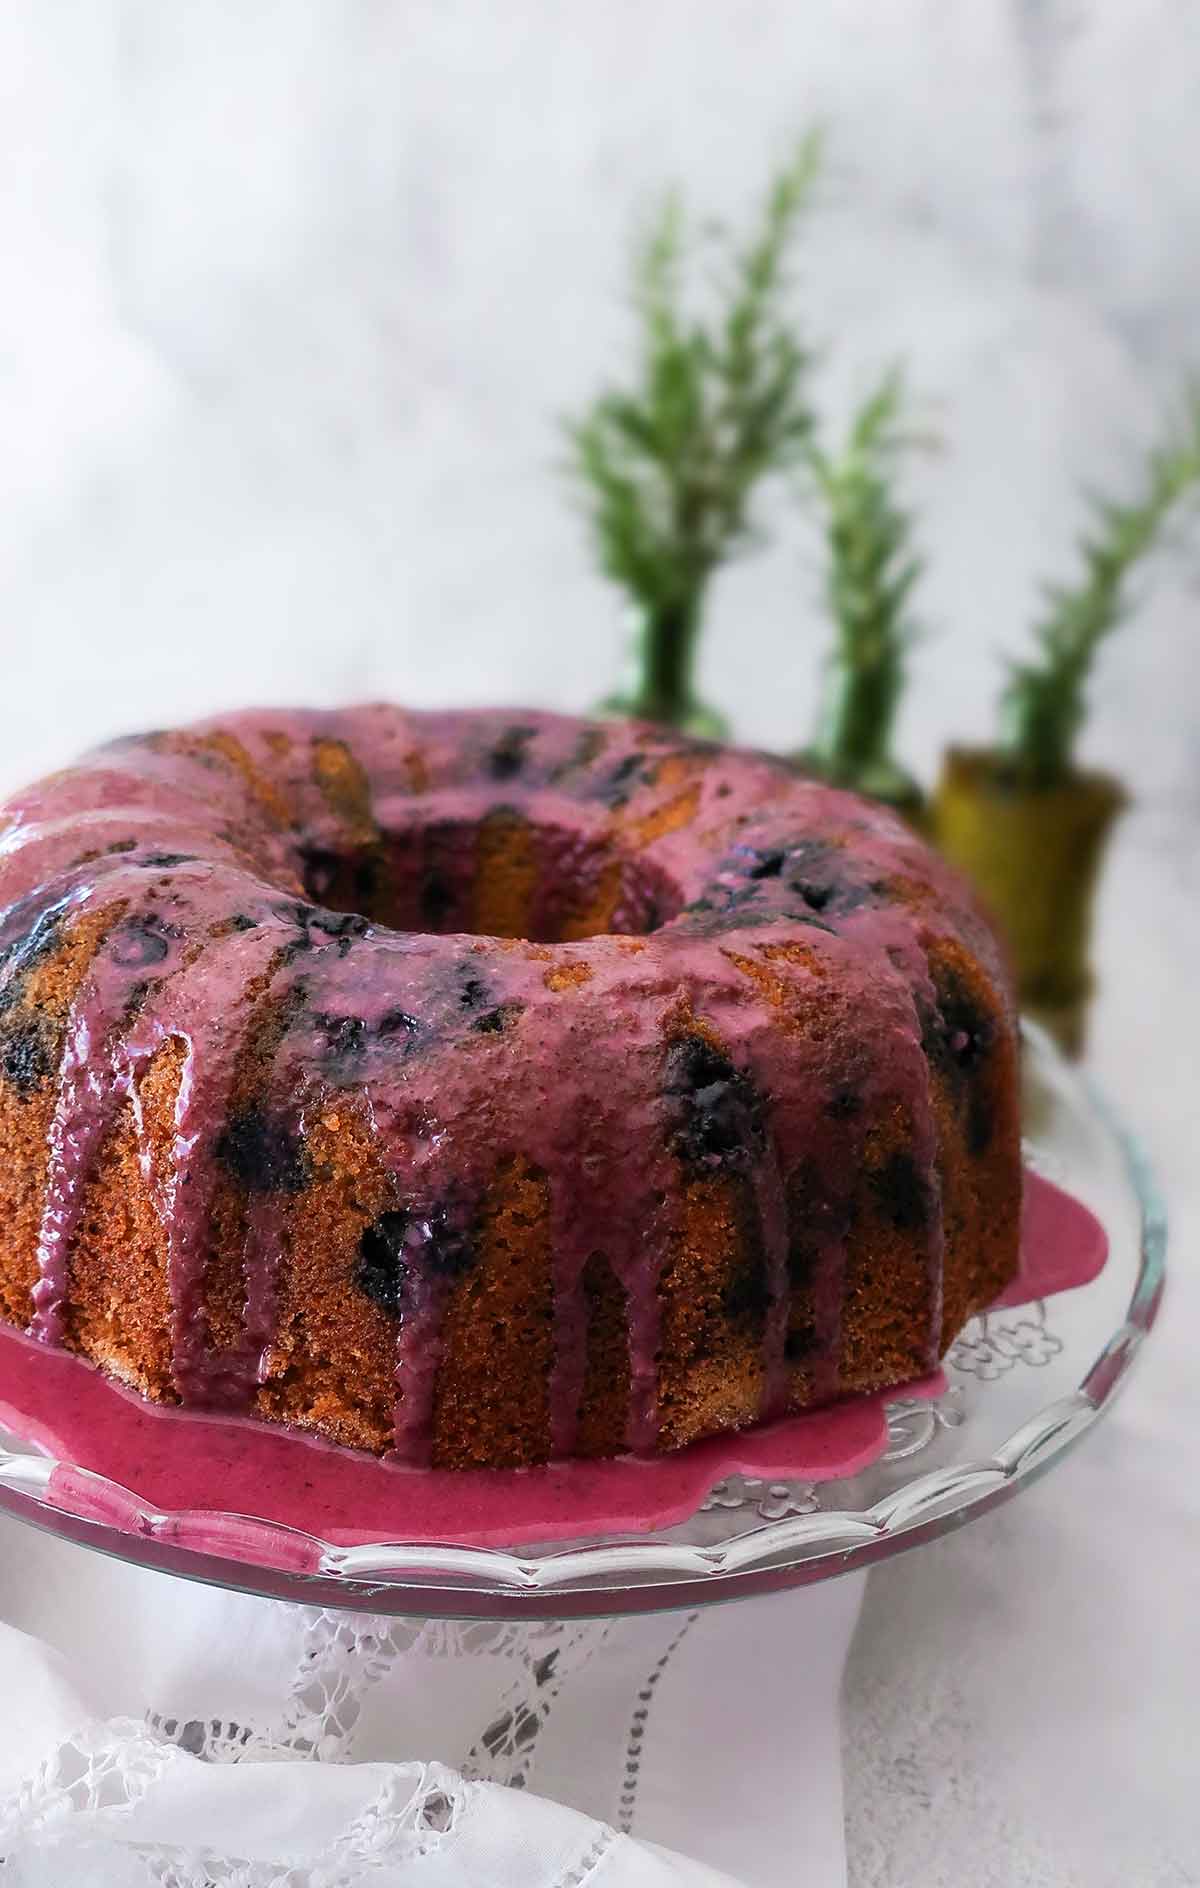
503 876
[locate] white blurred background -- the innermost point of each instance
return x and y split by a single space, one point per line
292 294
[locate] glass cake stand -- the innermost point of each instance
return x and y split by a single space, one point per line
1024 1384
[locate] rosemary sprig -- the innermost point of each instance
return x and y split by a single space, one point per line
668 466
872 569
1043 707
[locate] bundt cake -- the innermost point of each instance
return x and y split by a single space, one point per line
492 1087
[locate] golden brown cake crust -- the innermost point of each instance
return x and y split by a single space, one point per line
492 1086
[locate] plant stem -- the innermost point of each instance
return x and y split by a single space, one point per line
668 655
663 688
1044 705
871 572
855 735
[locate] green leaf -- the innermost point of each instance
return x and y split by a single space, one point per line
872 571
669 462
1045 702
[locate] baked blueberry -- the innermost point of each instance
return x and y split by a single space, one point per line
138 943
902 1194
381 1270
396 1023
345 1036
495 1020
339 924
319 870
404 1240
716 1110
263 1151
437 898
28 1051
508 756
31 931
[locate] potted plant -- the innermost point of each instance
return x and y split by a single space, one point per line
871 571
1023 818
668 465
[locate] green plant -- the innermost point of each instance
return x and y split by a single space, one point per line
1044 704
668 465
872 568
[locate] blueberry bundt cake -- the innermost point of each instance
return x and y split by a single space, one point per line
491 1088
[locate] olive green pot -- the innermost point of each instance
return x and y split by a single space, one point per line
1034 854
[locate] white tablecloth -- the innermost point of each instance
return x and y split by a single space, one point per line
1021 1698
162 1735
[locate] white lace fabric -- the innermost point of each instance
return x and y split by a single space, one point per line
113 1804
164 1735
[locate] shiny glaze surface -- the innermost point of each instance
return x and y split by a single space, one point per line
606 1062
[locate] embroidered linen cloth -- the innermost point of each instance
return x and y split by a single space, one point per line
159 1734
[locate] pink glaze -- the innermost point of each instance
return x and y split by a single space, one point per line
1063 1245
176 842
177 1460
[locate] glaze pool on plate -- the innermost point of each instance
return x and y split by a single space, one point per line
1030 1382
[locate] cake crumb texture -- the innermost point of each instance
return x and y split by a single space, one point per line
492 1086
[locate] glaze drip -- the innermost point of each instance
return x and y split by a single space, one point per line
710 971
